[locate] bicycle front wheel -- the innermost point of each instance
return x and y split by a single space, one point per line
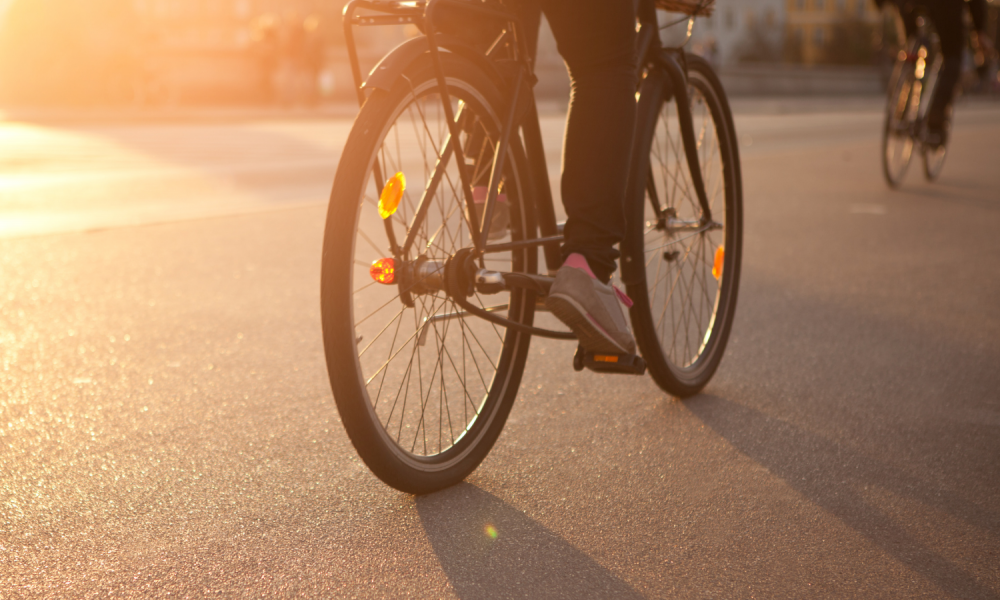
422 387
685 302
901 113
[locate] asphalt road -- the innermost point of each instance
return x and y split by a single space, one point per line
167 428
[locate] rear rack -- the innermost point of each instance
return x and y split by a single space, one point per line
401 12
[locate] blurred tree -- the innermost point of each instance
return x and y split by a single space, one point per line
68 52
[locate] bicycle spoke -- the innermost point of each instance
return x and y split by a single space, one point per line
392 345
386 363
365 237
476 362
387 325
425 399
391 300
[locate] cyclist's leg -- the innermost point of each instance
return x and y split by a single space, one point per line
948 20
596 38
530 14
908 13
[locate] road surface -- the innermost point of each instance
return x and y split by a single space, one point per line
167 428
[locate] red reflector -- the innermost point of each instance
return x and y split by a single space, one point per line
383 270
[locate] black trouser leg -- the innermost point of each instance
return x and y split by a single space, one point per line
947 16
597 40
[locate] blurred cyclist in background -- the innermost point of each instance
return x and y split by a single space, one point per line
948 17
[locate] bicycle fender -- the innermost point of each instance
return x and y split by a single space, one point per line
392 65
385 73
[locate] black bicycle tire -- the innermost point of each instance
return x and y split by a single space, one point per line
901 74
931 173
677 381
411 474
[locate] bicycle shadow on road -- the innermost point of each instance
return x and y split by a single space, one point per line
830 475
489 549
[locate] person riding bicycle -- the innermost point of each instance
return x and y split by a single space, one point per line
597 40
949 21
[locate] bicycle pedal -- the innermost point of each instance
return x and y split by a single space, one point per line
628 364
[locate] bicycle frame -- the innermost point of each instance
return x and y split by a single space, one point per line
914 55
521 119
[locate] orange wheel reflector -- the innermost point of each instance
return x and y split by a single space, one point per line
392 193
720 257
383 270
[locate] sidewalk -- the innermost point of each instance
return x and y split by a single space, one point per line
166 114
741 104
348 110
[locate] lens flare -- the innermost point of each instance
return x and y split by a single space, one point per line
392 193
720 257
383 270
491 532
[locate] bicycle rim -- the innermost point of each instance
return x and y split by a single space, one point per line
692 268
426 386
934 161
897 134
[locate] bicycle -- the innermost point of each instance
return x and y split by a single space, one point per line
424 387
911 87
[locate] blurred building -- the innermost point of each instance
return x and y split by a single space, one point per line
790 31
830 31
738 31
66 51
234 50
165 51
291 51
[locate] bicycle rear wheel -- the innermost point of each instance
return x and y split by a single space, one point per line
901 113
685 302
423 388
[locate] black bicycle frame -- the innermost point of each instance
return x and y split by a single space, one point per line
520 99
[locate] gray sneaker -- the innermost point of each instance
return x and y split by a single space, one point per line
590 308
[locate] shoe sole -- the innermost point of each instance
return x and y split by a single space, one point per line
590 335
